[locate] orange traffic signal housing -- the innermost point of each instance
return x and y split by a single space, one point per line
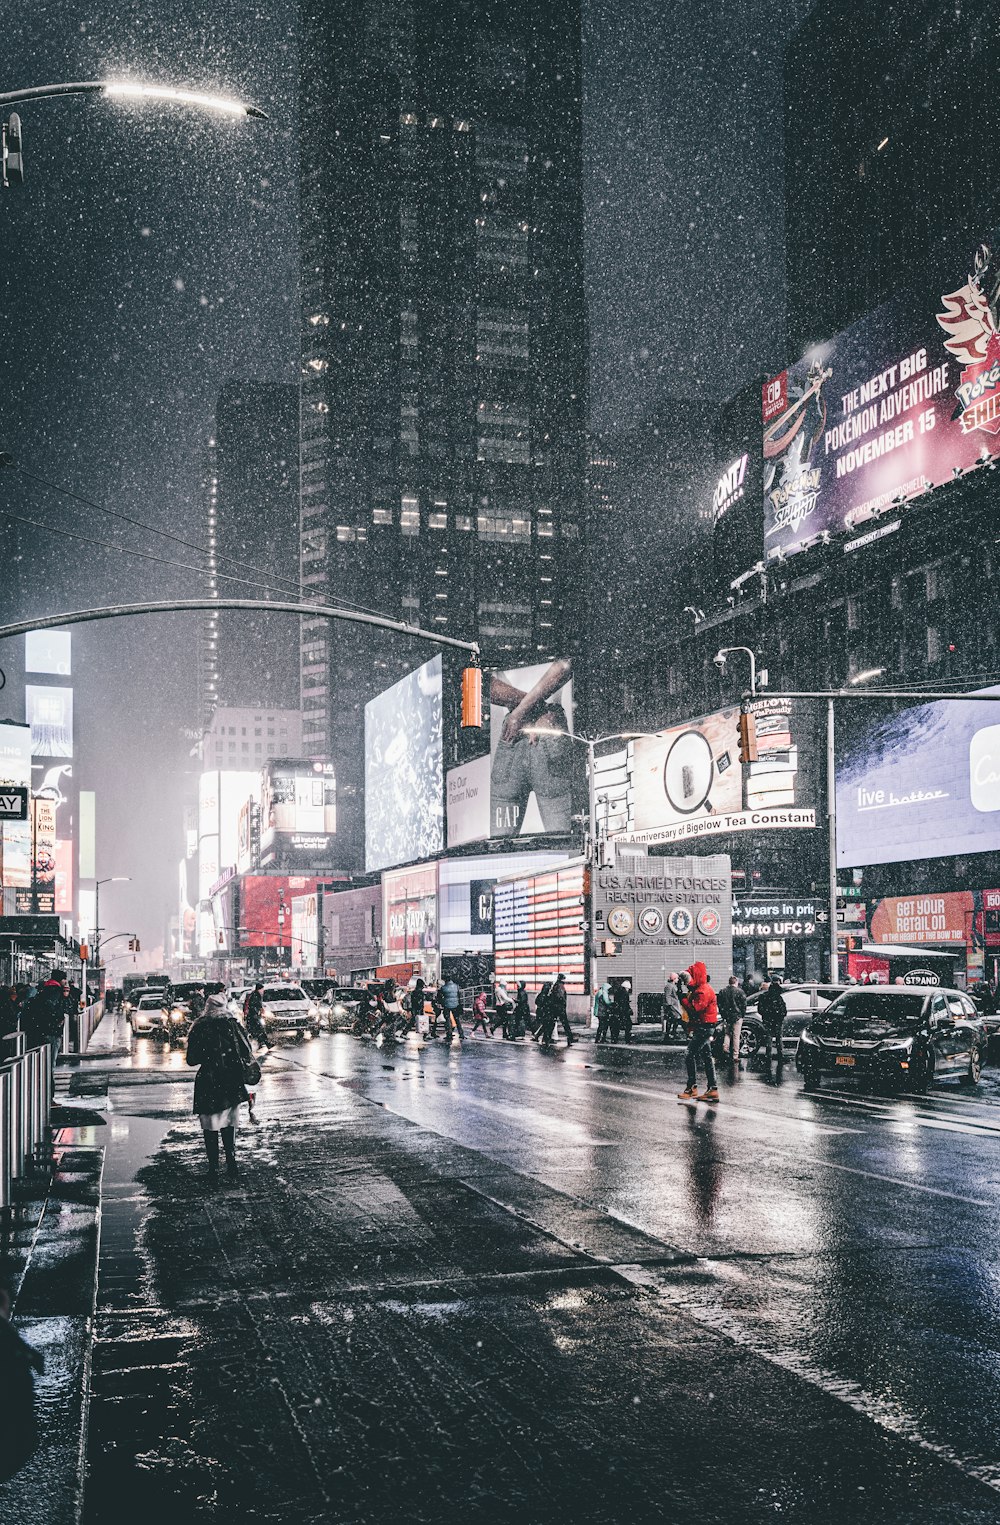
748 738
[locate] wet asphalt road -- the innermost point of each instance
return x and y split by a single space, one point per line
498 1284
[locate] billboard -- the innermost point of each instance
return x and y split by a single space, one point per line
265 908
15 836
298 811
689 782
539 927
49 712
221 797
921 783
892 406
404 770
49 652
305 930
525 786
410 919
936 919
735 504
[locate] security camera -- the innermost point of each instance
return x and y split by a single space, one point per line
720 660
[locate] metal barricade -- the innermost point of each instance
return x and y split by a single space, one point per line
33 1064
13 1045
6 1142
16 1076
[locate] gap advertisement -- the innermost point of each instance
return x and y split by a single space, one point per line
886 410
923 783
525 786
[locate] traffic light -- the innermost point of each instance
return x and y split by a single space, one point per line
748 737
13 152
472 698
133 945
84 953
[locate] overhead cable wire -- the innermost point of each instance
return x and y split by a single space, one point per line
191 545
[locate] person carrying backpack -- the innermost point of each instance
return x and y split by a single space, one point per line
603 1007
772 1011
541 1006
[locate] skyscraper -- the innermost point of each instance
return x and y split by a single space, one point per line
251 660
443 338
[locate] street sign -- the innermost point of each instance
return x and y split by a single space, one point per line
13 802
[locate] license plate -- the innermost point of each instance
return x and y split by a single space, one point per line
845 1059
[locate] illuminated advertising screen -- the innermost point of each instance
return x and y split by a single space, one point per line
538 928
404 770
525 786
49 712
922 783
305 930
410 918
221 797
889 408
298 809
265 908
736 489
49 652
689 782
15 836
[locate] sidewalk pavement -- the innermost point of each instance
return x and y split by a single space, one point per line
51 1260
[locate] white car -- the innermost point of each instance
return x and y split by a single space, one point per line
290 1012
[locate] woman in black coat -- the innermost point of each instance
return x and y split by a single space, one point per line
218 1044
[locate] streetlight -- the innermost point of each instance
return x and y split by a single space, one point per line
113 879
590 742
12 162
135 90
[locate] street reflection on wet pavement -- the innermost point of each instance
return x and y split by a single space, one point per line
493 1283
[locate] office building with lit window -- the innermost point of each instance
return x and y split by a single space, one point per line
443 339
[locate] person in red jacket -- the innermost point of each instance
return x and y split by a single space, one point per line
702 1012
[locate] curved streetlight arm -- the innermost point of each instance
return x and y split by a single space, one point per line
273 606
133 90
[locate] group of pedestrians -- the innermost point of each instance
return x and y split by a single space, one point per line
613 1010
39 1011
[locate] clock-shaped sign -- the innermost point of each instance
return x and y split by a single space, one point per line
620 921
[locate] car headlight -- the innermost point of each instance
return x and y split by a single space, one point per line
897 1046
314 1012
269 1013
338 1011
805 1036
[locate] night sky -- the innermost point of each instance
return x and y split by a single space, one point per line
152 255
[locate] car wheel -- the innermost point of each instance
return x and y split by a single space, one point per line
749 1041
971 1078
921 1075
810 1077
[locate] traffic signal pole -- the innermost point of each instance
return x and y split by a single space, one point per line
831 819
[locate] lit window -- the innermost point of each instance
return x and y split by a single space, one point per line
382 515
437 521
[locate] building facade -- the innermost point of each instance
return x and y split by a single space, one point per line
443 340
884 165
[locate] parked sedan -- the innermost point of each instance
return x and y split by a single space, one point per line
900 1038
802 1003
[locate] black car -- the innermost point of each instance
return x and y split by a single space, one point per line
901 1038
